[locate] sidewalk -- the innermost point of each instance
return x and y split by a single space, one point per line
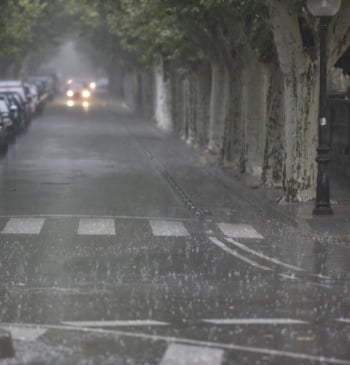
198 173
335 228
330 229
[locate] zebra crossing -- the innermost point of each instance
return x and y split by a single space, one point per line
227 237
97 226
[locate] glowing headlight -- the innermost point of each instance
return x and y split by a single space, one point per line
70 103
86 104
70 93
92 85
85 93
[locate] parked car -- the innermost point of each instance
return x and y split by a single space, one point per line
8 113
53 80
20 122
17 87
32 91
3 137
47 83
43 96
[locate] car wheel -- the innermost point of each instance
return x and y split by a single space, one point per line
11 137
4 147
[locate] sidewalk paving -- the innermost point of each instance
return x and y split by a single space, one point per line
291 231
330 229
335 228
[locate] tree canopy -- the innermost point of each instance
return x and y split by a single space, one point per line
30 29
185 31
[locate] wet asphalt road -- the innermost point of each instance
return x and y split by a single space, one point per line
108 257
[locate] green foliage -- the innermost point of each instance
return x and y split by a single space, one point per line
16 20
184 31
31 29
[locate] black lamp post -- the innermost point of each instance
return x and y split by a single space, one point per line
324 9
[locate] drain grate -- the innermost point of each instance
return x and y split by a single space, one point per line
198 212
183 196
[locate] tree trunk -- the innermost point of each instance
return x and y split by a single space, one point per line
146 92
234 152
130 89
255 88
187 108
301 121
274 154
176 101
219 106
162 98
301 91
203 88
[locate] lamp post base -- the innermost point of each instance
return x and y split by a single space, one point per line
322 210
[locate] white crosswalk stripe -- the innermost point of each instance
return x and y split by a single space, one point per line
25 333
239 231
178 354
168 228
96 226
24 226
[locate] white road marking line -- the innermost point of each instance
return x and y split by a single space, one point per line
96 226
25 334
237 255
261 255
289 277
255 321
343 320
24 226
168 228
116 323
187 341
239 231
177 354
320 276
319 285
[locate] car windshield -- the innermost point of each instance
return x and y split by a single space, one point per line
77 85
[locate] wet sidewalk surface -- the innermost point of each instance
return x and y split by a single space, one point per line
224 197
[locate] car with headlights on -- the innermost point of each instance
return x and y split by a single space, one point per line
78 90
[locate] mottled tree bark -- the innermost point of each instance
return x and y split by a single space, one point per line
301 93
203 91
163 97
274 154
219 100
300 102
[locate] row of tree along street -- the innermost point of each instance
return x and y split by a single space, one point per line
239 78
